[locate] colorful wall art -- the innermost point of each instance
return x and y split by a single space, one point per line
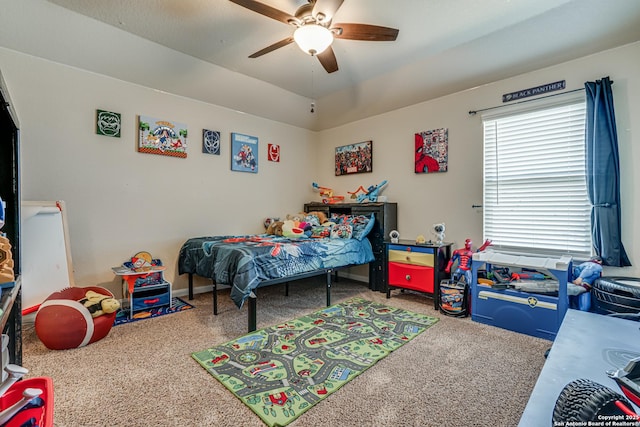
162 137
244 153
432 151
354 158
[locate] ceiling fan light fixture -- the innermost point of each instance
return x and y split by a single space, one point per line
313 39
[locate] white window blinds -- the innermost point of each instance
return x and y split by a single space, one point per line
535 195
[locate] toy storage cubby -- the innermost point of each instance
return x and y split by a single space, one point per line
144 290
530 313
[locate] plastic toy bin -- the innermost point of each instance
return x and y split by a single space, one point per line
529 313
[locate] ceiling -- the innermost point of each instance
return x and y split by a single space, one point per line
443 46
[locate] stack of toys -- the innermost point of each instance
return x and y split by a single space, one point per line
6 258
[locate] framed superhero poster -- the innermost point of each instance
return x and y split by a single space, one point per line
244 153
431 151
354 158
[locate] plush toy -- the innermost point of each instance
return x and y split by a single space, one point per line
322 217
268 221
295 229
297 217
275 228
99 304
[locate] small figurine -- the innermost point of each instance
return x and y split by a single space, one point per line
438 230
587 272
463 256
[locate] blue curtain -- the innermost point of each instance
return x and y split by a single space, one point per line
603 174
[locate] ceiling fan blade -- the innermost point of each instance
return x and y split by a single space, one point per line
328 60
273 47
266 10
372 33
324 10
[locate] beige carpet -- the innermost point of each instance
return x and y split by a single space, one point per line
457 373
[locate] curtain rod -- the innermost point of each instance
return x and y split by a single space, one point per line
473 112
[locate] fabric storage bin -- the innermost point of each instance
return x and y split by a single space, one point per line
144 298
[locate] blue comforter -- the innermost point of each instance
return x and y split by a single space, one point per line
245 262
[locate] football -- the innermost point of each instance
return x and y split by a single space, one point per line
62 324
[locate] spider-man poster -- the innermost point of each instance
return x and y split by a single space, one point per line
431 151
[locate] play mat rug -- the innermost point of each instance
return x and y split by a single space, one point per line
282 371
176 305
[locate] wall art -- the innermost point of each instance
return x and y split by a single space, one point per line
210 141
273 152
432 151
108 123
354 158
162 137
244 153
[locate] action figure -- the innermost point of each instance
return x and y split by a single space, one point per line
587 272
463 256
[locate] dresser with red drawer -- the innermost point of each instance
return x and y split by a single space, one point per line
417 267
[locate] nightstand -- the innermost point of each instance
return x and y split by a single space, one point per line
418 267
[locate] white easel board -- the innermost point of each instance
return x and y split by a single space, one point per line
46 253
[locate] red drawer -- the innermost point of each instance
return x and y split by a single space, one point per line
416 277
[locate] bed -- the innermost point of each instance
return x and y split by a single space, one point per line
249 262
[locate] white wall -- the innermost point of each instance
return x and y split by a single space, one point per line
120 201
425 199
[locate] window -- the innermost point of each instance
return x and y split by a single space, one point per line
535 194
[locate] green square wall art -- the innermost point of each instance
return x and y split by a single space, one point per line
108 123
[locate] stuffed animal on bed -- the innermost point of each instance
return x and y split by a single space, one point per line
275 228
295 229
311 217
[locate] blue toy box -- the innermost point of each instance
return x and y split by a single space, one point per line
530 313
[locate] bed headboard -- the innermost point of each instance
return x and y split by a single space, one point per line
386 215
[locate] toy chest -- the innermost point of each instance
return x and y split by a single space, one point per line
534 314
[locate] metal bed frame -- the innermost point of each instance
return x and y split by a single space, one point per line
252 305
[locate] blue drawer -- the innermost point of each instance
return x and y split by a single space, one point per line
149 298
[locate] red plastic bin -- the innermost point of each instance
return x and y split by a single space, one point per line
43 415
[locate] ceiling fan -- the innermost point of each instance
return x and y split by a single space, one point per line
314 30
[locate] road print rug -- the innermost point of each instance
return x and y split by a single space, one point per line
282 371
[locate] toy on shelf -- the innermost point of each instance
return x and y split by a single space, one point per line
372 193
6 258
438 230
327 195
